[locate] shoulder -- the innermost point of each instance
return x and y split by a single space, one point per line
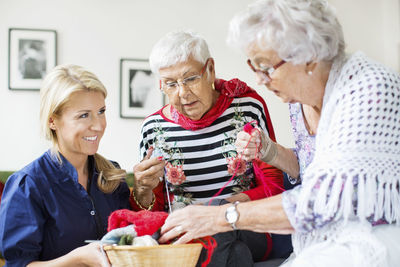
361 69
34 176
362 77
249 99
152 119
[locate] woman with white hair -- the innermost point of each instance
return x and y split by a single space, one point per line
51 206
346 212
193 138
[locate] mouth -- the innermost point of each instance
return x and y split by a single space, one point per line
90 138
191 104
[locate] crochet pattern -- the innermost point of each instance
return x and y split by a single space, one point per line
355 174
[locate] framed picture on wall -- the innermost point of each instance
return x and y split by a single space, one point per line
140 94
31 54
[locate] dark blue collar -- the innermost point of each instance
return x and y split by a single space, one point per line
67 168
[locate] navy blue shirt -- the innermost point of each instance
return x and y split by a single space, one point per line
45 213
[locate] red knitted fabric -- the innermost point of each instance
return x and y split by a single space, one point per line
146 222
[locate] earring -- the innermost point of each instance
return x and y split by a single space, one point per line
213 86
309 72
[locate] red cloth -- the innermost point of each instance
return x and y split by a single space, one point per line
146 222
269 177
1 190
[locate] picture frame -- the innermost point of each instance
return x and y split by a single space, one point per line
31 54
140 94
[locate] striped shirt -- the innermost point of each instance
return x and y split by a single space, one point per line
203 152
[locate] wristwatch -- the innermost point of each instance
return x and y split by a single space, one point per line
232 215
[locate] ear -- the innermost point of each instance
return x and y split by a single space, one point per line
211 65
310 67
211 69
52 125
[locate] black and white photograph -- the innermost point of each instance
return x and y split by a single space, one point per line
32 53
140 94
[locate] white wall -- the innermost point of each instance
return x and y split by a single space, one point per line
97 33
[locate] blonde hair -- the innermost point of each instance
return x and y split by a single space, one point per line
58 86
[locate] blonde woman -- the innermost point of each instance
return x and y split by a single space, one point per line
50 207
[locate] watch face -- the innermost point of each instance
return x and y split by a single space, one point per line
231 215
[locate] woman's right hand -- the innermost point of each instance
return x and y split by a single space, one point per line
148 172
89 255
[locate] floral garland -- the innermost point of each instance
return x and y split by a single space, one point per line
244 173
174 173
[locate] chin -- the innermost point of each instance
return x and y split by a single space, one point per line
194 118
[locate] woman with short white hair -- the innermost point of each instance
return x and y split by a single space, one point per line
193 137
346 212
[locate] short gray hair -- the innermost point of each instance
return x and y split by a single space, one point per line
300 31
176 47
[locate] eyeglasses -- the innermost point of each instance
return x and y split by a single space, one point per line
191 81
266 73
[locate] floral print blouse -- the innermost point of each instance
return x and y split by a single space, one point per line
305 143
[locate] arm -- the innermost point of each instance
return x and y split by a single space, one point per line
286 161
265 215
89 255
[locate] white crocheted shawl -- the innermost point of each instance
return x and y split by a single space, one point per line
356 167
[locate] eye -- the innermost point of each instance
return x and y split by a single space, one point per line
171 84
191 79
102 111
84 115
265 67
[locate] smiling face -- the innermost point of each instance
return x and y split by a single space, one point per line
81 125
289 82
195 100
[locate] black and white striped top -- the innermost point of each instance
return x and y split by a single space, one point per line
203 151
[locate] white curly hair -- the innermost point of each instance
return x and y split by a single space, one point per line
300 31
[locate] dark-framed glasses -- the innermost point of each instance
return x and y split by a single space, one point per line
191 81
266 73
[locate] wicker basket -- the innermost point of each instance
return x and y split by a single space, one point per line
155 256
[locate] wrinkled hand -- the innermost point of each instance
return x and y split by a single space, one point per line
148 172
258 145
91 255
191 222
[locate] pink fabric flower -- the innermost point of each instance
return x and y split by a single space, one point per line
175 174
234 163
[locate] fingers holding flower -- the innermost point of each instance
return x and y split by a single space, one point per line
147 173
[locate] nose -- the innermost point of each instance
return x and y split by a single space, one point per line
183 89
98 123
262 79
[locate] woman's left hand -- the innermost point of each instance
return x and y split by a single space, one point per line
192 222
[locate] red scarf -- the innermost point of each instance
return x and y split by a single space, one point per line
228 90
